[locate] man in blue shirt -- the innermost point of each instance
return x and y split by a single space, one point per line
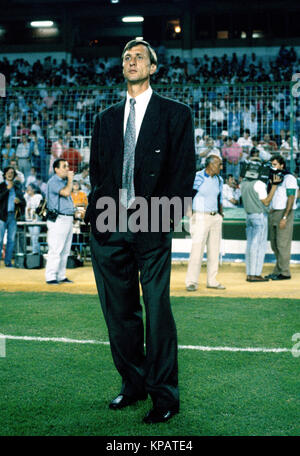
206 224
60 230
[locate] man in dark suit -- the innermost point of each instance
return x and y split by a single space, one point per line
146 148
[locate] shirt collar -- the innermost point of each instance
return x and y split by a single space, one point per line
143 97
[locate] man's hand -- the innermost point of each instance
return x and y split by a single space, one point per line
282 224
276 179
17 200
70 176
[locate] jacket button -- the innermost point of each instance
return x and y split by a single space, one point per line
152 175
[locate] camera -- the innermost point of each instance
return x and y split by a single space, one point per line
255 170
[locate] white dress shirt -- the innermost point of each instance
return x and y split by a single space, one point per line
280 196
142 101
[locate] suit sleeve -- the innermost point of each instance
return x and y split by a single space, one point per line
181 161
94 155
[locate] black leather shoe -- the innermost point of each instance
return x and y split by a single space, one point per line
122 401
281 277
270 276
66 280
52 282
157 415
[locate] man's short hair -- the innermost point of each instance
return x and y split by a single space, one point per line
278 158
210 158
151 51
56 163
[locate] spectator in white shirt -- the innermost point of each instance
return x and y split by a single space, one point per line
246 143
230 197
33 198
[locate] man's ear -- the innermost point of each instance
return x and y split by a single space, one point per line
153 68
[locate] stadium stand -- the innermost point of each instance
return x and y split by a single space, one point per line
227 94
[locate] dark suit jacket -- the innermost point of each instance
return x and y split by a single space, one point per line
164 157
19 208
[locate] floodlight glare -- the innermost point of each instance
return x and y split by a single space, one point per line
41 23
132 19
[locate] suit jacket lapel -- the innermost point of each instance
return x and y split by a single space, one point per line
117 141
148 130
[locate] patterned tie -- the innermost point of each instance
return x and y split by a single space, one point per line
128 195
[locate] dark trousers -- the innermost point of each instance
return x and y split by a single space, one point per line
281 240
119 265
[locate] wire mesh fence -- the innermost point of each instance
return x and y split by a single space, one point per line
39 124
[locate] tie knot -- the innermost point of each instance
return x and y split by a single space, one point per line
132 101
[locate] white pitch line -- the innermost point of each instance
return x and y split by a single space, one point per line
182 347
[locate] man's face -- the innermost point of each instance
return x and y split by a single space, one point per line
276 165
216 166
10 174
231 181
63 169
136 64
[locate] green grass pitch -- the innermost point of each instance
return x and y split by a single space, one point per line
63 389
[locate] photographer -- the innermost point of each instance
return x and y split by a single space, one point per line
255 201
281 219
59 222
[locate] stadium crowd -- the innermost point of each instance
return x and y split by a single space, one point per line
106 72
55 116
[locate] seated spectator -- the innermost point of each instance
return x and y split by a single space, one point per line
263 154
80 200
23 130
7 131
230 195
38 155
33 198
23 156
278 126
84 179
232 152
7 153
61 125
72 156
57 149
216 118
32 178
36 126
267 147
285 152
246 143
206 148
86 151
